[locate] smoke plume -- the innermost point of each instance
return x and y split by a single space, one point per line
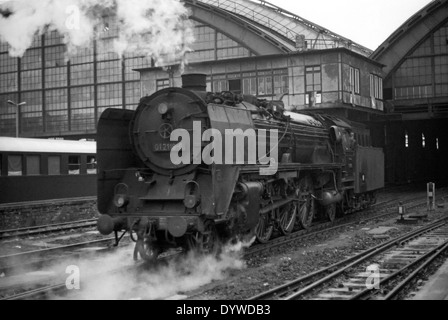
159 29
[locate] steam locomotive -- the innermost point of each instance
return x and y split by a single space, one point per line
321 169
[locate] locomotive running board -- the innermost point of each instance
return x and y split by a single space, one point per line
294 167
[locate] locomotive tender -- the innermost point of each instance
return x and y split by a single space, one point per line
321 170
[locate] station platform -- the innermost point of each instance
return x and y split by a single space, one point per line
436 287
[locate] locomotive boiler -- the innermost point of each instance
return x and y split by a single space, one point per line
244 167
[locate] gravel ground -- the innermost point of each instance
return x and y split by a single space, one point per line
292 261
266 270
37 242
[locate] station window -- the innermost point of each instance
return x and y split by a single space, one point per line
15 165
265 83
74 165
162 84
235 86
281 84
354 80
55 56
91 165
313 79
376 87
33 165
54 165
250 83
220 85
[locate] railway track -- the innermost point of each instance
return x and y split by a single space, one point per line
34 260
397 263
16 205
59 290
45 229
325 227
347 221
18 266
318 229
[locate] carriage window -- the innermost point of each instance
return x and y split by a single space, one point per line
74 165
32 165
91 165
54 165
15 166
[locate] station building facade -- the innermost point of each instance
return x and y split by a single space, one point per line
327 80
249 47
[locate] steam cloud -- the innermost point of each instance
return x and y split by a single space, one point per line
114 276
159 29
188 273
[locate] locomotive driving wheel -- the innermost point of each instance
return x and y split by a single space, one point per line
287 217
264 229
306 208
206 242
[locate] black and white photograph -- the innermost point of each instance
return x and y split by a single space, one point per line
224 156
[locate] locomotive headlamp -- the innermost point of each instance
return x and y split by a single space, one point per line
191 201
120 200
163 108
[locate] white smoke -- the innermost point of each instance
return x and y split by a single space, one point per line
179 276
155 28
114 276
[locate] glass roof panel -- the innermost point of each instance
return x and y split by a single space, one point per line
285 23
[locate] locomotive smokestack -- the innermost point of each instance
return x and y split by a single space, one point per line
194 82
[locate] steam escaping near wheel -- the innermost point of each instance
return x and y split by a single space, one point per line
164 281
158 29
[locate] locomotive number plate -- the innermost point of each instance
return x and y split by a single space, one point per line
163 147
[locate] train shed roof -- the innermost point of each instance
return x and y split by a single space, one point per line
272 24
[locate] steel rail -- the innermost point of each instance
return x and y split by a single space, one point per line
341 266
438 252
13 233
